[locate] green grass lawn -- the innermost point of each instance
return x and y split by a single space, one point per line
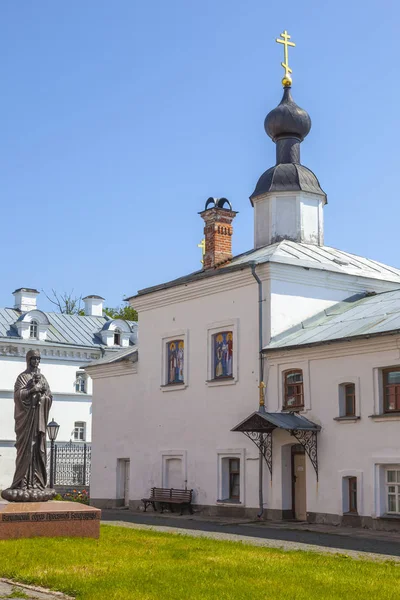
133 564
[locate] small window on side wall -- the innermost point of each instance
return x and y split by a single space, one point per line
347 400
79 431
175 361
293 389
222 354
80 383
391 389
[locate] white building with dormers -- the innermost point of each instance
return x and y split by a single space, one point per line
269 383
67 343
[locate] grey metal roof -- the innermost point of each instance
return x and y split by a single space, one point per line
129 354
370 315
73 330
293 253
264 421
287 177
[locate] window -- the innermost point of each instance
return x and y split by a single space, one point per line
234 479
80 383
391 389
33 330
352 483
79 432
393 491
349 390
175 361
293 389
222 354
117 337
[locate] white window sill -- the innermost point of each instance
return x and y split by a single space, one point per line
395 416
221 381
229 502
352 419
173 387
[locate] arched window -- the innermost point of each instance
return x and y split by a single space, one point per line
293 389
117 337
33 330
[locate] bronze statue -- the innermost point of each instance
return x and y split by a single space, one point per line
32 400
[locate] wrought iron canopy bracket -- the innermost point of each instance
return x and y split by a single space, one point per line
263 441
308 439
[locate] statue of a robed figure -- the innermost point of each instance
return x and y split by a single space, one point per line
32 402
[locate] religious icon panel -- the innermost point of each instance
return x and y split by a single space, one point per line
175 357
223 354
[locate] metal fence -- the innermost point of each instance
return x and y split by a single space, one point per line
72 463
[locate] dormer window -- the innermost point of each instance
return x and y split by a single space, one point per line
117 337
33 330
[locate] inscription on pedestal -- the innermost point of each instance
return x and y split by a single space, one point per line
84 516
16 517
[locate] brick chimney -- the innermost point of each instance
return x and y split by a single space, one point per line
218 231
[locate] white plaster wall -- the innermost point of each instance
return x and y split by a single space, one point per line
143 421
344 448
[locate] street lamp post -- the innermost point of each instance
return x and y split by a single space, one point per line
52 431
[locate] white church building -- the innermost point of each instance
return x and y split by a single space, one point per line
269 383
67 343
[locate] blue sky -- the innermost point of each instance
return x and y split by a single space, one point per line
119 119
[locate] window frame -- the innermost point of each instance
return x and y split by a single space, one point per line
34 327
117 336
385 386
297 406
79 426
223 458
82 378
396 493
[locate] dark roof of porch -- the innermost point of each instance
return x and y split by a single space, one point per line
265 422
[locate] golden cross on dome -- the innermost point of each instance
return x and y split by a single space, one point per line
287 80
202 245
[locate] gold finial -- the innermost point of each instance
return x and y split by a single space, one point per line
287 80
202 245
262 387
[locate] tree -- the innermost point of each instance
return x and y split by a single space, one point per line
66 303
122 312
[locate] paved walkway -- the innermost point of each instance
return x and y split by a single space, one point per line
358 543
8 589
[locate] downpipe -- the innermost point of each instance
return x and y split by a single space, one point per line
261 384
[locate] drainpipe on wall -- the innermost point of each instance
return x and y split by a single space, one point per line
261 383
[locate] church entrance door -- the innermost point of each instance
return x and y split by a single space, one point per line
299 483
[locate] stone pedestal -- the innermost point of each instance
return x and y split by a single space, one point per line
48 519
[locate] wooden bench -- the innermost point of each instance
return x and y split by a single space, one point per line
169 497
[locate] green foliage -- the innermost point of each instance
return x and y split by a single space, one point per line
135 564
122 312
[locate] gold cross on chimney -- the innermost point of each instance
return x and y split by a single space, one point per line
287 80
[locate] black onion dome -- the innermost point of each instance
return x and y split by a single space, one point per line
287 177
287 119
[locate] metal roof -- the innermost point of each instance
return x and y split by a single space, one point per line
356 317
73 330
292 253
128 354
264 421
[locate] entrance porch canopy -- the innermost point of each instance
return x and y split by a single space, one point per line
258 427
